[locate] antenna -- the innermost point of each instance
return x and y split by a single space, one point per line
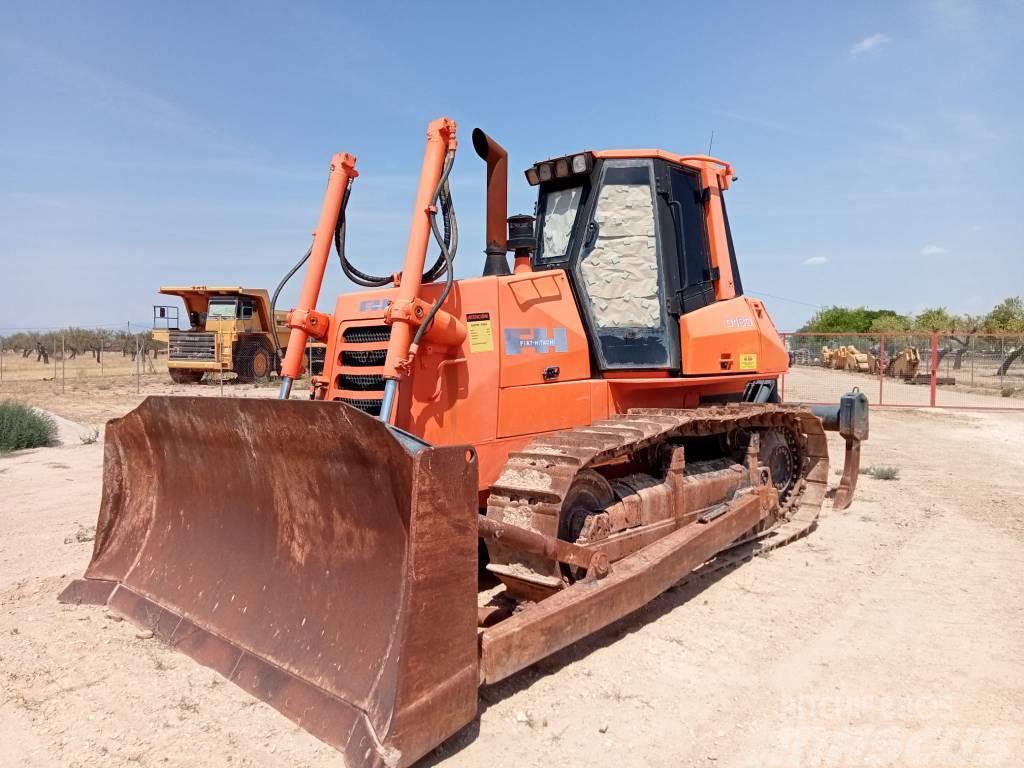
711 140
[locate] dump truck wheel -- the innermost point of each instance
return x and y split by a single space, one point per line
185 375
256 362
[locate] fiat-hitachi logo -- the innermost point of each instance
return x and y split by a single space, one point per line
541 340
374 305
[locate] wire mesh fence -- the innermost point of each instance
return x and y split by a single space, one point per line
941 370
73 354
122 358
904 369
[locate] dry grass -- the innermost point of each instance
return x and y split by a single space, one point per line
883 472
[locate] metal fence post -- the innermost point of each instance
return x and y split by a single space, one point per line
1 358
1002 356
881 366
973 352
63 367
138 370
934 366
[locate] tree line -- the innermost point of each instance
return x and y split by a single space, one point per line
75 342
1005 317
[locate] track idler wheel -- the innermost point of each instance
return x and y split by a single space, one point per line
778 453
589 495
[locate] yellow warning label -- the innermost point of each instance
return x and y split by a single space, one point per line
481 337
748 362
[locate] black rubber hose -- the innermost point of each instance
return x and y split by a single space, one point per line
367 280
447 249
341 250
273 302
445 203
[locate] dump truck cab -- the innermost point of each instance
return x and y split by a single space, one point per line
224 328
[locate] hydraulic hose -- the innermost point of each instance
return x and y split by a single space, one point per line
339 244
367 280
448 245
277 292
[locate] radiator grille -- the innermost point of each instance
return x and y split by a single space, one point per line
367 334
361 383
363 358
372 384
371 407
187 345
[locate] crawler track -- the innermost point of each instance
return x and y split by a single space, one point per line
533 486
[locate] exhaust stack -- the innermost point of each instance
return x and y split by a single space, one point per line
496 157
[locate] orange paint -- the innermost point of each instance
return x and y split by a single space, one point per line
510 356
343 169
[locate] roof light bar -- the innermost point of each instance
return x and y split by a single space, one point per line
559 168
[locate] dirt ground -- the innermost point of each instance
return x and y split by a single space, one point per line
817 384
892 636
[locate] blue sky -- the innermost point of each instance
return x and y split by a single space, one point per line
878 144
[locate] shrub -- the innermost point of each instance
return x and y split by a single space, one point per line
23 427
883 473
1008 391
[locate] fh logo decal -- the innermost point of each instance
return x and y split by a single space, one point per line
374 305
540 340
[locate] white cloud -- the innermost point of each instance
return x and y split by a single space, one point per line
933 250
869 43
815 261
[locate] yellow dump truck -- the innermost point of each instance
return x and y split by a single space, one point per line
224 329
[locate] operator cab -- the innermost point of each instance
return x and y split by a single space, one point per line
632 233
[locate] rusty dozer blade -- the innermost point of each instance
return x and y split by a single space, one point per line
309 553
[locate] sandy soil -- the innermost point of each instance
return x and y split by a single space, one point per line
816 384
893 635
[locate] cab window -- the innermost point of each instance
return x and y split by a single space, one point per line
559 208
222 309
620 268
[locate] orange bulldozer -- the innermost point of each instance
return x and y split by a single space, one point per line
487 470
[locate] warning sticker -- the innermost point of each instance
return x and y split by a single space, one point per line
748 362
481 335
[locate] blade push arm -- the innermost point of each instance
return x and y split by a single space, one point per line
304 320
404 312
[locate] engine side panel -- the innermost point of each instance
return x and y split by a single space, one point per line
731 336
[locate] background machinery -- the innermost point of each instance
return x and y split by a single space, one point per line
905 364
491 468
860 362
226 329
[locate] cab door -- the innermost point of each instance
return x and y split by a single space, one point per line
620 271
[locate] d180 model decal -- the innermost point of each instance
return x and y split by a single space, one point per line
541 340
739 322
